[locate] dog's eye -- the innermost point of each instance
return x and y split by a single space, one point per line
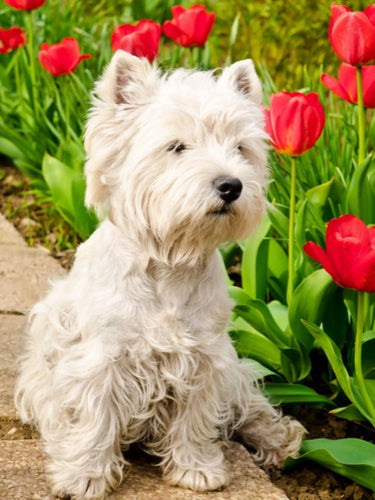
240 148
177 147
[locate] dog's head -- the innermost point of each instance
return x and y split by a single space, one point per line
178 161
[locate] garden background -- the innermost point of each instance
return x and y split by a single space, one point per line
312 339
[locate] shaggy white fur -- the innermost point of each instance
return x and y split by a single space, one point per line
131 346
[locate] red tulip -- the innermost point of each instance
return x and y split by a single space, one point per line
350 253
11 39
346 85
352 34
25 4
141 40
189 26
294 121
61 58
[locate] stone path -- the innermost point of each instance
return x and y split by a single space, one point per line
24 275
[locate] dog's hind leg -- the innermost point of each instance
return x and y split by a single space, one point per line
261 426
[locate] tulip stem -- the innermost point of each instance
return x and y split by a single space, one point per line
361 117
358 356
293 175
32 63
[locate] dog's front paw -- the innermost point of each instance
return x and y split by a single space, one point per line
81 488
198 480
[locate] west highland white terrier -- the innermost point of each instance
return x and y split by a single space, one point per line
131 346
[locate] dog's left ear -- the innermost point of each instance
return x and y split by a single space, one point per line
242 77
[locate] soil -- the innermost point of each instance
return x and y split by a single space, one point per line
36 220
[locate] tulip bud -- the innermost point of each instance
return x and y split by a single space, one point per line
25 4
352 34
294 122
11 39
349 256
61 58
141 40
189 27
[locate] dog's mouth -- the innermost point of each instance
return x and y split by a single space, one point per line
225 209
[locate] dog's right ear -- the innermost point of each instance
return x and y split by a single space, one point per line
126 80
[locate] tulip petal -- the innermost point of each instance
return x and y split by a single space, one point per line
335 86
318 254
368 82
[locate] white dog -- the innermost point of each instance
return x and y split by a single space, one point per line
132 346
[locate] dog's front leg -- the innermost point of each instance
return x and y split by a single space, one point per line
194 457
82 433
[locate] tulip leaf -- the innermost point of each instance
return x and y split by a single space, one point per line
309 302
279 221
85 221
280 313
254 261
258 315
294 393
347 383
334 357
325 195
309 224
67 189
350 457
59 180
258 370
368 354
349 412
295 363
256 346
360 200
277 270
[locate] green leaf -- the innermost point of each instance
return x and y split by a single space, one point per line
254 345
360 200
323 195
254 262
350 457
279 221
277 270
368 354
349 412
294 393
280 313
309 224
257 314
85 221
67 188
59 179
309 302
334 357
259 371
295 363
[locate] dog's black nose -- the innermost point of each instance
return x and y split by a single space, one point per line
229 188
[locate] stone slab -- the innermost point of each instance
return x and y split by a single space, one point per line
25 275
12 340
22 478
9 235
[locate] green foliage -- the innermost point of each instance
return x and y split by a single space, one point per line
352 458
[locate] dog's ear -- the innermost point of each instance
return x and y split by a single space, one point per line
126 80
241 76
